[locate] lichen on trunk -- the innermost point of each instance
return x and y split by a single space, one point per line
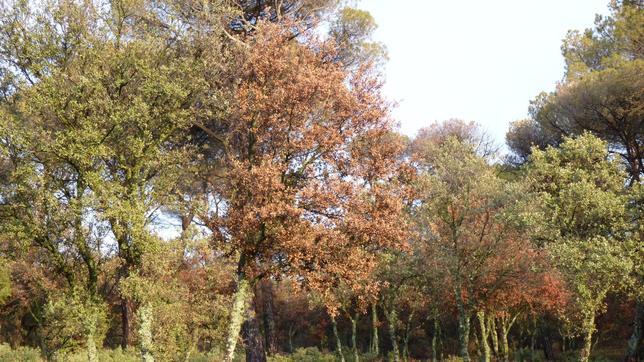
589 329
338 342
145 332
92 353
374 348
485 333
236 316
392 319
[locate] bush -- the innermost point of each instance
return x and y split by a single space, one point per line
453 359
105 355
308 354
524 354
209 356
26 354
368 357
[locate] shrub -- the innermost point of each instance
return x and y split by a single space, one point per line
26 354
308 354
105 355
453 359
525 354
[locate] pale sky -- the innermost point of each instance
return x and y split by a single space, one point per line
475 60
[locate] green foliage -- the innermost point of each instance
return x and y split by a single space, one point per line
23 354
602 92
352 31
106 355
307 354
525 354
5 281
69 319
583 223
581 189
453 359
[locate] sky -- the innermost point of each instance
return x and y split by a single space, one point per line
475 60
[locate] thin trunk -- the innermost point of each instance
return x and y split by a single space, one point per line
269 317
495 337
505 324
392 319
236 315
145 332
354 337
374 348
435 340
291 332
92 353
533 335
505 353
338 342
441 348
253 339
186 220
477 346
125 322
485 346
632 352
463 332
406 340
589 328
563 343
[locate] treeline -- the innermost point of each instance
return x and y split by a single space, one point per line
190 180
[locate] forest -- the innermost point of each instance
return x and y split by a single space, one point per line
223 180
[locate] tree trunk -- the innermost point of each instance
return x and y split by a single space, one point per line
186 220
236 316
338 342
291 332
268 317
485 346
563 343
374 348
632 352
253 339
533 335
354 337
125 323
505 324
495 337
589 328
407 333
463 332
392 318
92 353
435 341
145 332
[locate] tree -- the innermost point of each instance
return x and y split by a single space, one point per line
525 134
606 103
293 199
114 88
351 30
48 204
584 209
603 88
602 94
439 133
466 210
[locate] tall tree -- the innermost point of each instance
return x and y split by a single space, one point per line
465 208
117 85
293 199
603 87
352 31
525 134
584 222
